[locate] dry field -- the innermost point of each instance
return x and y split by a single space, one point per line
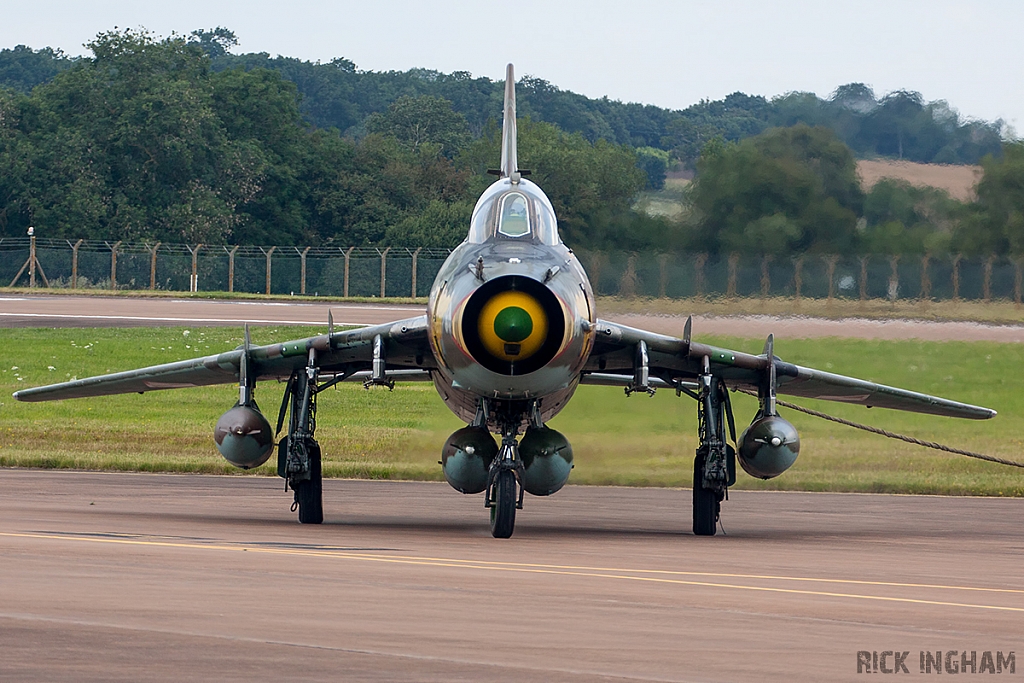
958 181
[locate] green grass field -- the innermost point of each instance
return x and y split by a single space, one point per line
637 441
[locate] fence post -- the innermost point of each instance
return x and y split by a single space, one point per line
113 264
830 270
596 262
152 265
415 256
31 260
987 284
926 281
268 253
627 285
864 277
956 277
663 275
766 278
698 274
302 259
798 276
74 263
193 282
734 260
1017 276
894 278
384 270
348 255
231 267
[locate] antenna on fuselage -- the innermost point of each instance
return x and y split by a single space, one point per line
509 154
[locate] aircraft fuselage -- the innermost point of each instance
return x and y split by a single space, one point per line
511 312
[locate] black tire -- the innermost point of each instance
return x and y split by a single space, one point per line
310 493
706 505
503 510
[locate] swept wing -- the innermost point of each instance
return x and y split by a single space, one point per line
343 351
673 359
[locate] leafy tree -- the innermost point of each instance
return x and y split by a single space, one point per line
654 163
994 224
23 68
440 225
686 138
132 146
786 190
900 218
338 95
591 185
215 42
415 121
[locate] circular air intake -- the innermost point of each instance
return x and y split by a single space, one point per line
513 325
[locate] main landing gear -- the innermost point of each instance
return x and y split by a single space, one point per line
714 467
299 461
298 456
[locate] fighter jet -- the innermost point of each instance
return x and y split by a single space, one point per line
510 331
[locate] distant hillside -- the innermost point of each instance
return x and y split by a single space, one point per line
957 180
338 95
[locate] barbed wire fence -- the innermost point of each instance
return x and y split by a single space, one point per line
402 272
812 276
316 271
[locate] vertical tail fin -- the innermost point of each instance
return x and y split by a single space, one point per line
509 154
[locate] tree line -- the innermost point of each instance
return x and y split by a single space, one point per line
338 95
146 140
178 139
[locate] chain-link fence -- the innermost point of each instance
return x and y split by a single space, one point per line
316 271
814 276
380 272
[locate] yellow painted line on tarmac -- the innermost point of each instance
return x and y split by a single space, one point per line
725 575
520 568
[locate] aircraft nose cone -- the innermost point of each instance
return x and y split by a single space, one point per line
513 324
776 441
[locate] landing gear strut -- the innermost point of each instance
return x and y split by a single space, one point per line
714 467
504 492
299 458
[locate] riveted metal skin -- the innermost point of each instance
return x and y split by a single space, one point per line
487 265
768 447
244 437
465 457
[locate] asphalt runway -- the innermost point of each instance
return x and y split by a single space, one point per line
132 577
102 311
98 311
127 577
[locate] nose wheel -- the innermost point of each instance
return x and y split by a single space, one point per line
504 500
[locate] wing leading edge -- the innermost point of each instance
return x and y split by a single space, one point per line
343 351
672 359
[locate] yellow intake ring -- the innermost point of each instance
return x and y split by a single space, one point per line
512 326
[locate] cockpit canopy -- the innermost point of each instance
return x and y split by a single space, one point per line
514 211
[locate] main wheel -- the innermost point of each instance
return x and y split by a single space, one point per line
503 504
706 505
310 493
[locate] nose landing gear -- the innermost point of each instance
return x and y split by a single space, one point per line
504 493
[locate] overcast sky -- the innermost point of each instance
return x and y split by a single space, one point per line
666 53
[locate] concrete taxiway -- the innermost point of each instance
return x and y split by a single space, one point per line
125 577
101 311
